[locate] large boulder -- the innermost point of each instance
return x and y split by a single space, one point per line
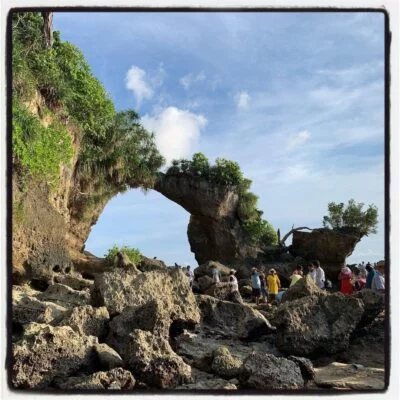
203 283
303 288
87 320
220 290
374 304
150 264
232 319
26 307
108 357
46 352
152 359
120 289
331 248
266 372
116 379
315 325
206 268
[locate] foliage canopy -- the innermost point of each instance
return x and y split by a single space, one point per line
133 254
351 218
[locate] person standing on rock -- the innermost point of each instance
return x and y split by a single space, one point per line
319 274
215 274
370 275
264 291
312 272
255 285
235 296
345 278
273 284
378 283
190 275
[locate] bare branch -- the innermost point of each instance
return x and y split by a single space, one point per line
282 242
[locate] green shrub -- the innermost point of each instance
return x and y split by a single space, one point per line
134 254
39 151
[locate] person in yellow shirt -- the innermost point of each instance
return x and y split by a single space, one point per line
273 284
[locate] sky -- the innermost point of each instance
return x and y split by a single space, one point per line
297 99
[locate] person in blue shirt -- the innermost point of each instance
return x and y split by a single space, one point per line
370 276
255 285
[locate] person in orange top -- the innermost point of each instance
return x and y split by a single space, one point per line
273 284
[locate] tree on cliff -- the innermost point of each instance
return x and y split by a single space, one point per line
351 218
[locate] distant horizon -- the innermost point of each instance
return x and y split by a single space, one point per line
297 99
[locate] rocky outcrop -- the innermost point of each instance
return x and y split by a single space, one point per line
108 357
266 372
214 230
314 325
206 268
46 352
224 364
65 295
232 319
331 248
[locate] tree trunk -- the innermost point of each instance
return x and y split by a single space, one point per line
48 29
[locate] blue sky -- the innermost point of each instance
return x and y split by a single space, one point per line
296 98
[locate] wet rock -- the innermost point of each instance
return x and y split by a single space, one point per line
65 296
233 319
115 379
265 371
152 359
27 308
306 367
350 376
224 364
316 325
45 352
87 320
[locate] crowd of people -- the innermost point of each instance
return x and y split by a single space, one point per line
266 286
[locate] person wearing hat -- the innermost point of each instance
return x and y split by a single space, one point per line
378 283
273 284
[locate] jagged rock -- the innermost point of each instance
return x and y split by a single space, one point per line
117 378
316 325
27 308
120 289
87 320
150 264
220 290
152 359
224 364
75 281
234 320
108 357
65 296
45 352
306 367
265 372
123 261
350 376
152 316
204 282
330 247
206 268
303 288
206 381
374 304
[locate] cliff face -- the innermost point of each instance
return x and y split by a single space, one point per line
214 231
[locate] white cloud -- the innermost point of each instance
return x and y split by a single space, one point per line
188 80
298 139
177 132
137 82
242 100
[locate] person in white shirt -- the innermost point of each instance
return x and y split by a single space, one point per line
312 272
190 275
319 274
378 282
235 296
